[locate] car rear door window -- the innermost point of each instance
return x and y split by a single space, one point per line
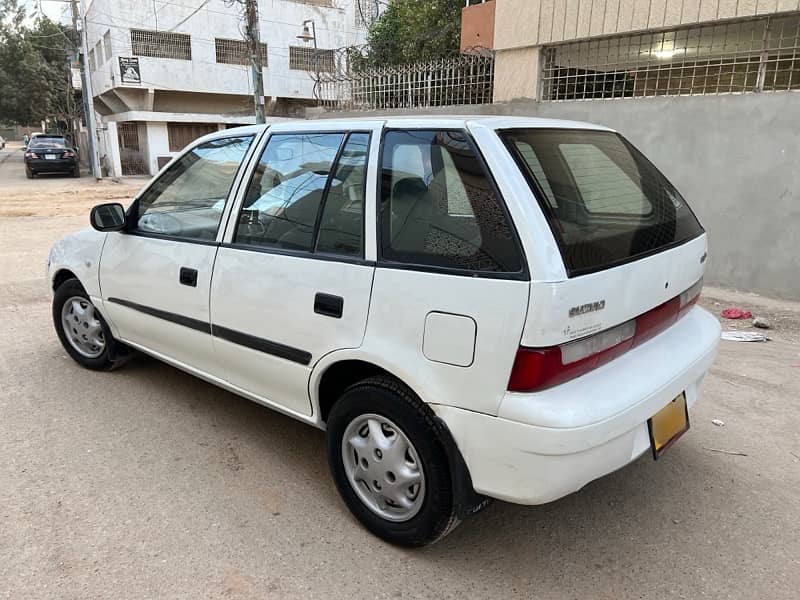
341 228
188 199
439 207
307 194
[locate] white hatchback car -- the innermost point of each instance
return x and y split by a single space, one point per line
471 307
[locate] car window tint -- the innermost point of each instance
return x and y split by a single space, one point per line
438 206
341 226
604 186
282 201
47 143
188 199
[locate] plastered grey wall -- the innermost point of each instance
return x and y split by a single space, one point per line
735 158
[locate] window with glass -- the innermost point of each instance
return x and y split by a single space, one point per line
606 203
307 194
188 199
439 207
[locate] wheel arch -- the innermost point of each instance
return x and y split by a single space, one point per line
339 374
61 275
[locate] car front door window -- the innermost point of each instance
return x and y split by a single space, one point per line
187 201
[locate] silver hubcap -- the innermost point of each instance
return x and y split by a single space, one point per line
383 467
82 327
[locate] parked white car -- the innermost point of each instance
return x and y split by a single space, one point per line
472 308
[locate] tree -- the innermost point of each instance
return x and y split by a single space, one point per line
33 79
415 30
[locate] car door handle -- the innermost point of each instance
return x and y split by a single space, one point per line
188 277
328 305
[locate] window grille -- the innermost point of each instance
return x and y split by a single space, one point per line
746 56
107 44
312 59
161 44
236 52
92 63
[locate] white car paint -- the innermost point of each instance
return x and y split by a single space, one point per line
452 339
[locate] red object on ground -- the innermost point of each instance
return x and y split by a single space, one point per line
736 313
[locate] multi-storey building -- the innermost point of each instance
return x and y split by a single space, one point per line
165 72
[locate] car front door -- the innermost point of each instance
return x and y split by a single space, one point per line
155 276
297 257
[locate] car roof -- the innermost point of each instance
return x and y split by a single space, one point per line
412 122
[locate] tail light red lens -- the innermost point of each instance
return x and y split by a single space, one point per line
31 155
68 154
540 368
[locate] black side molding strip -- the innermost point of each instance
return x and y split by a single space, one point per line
237 337
262 345
167 316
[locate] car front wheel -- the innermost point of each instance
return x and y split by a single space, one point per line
82 330
389 463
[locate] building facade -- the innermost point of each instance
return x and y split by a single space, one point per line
165 72
591 49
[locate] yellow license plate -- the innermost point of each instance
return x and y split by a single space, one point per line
668 424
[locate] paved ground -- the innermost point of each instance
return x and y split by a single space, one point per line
148 483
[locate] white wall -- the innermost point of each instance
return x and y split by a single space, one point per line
281 22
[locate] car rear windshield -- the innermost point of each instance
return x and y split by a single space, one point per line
44 143
606 203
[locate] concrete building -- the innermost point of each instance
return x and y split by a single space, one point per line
169 71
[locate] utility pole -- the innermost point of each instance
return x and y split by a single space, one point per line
254 41
79 24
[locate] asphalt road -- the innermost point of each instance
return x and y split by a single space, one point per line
148 483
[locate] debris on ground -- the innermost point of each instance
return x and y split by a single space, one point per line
761 323
718 423
725 451
744 336
735 312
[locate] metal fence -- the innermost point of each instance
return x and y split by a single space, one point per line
751 55
464 79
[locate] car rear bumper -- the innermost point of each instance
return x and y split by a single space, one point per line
51 166
545 445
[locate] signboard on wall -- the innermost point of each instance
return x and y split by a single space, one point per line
129 70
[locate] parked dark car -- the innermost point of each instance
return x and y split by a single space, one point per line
51 154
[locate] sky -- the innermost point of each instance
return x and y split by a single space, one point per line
51 8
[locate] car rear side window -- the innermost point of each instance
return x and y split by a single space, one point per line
606 203
439 207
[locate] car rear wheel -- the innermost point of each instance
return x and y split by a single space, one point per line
28 173
82 330
389 463
76 172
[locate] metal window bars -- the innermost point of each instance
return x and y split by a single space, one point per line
366 11
161 44
236 52
312 59
751 55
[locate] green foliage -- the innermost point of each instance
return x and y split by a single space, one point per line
33 77
415 30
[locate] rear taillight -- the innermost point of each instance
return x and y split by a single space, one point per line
31 155
690 297
68 154
540 368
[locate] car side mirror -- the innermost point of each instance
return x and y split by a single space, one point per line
108 217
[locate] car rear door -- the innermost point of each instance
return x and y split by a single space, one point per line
293 278
155 277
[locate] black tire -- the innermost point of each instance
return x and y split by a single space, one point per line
387 397
28 173
115 353
76 172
